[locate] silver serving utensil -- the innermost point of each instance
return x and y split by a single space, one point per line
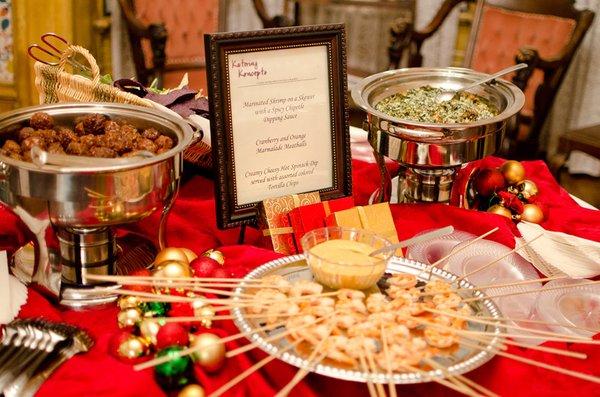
415 240
40 158
448 94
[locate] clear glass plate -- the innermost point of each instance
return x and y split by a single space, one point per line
431 251
577 306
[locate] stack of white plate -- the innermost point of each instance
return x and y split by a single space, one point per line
433 250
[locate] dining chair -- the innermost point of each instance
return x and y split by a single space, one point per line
167 38
544 34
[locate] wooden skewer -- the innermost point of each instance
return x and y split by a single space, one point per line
460 378
525 320
507 326
371 363
530 291
442 382
370 384
575 374
253 345
501 334
458 280
501 285
386 352
302 372
128 279
191 350
441 260
560 352
251 370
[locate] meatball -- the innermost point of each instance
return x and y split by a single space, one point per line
77 148
146 144
41 121
111 126
99 151
15 156
25 133
65 136
55 147
11 146
164 141
89 140
150 133
79 129
32 141
50 136
94 124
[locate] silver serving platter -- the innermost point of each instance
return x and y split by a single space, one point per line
295 268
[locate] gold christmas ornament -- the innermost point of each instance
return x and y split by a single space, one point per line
500 210
211 351
192 391
513 171
198 305
148 330
216 255
527 188
173 269
206 314
171 254
129 317
191 255
532 213
127 302
133 347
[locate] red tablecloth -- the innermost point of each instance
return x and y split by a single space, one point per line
192 224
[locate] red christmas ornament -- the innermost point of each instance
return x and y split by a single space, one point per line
204 266
172 334
118 342
511 201
489 180
141 288
221 273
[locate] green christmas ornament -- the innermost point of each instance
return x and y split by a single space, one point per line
176 366
155 309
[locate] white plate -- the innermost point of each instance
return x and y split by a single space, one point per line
578 306
513 268
431 251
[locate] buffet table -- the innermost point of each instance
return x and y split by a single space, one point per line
192 224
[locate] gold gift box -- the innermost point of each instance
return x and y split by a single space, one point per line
376 218
275 224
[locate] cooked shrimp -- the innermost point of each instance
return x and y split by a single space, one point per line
397 334
335 347
403 280
295 324
346 320
404 317
278 282
352 306
400 293
315 334
448 300
358 345
366 328
377 303
281 309
382 318
305 287
437 338
265 297
437 286
345 294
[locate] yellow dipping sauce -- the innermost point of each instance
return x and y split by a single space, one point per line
345 264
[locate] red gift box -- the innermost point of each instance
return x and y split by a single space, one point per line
309 217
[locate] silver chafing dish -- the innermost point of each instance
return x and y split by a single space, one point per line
431 153
73 209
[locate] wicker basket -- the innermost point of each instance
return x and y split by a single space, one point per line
54 85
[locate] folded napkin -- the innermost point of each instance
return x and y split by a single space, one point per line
13 294
556 253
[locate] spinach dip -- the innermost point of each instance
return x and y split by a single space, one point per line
421 104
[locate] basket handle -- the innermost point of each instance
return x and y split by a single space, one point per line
75 49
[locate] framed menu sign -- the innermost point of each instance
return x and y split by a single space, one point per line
279 124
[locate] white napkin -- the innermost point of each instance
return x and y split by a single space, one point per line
557 253
13 294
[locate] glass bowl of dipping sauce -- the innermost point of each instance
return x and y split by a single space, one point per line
339 257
